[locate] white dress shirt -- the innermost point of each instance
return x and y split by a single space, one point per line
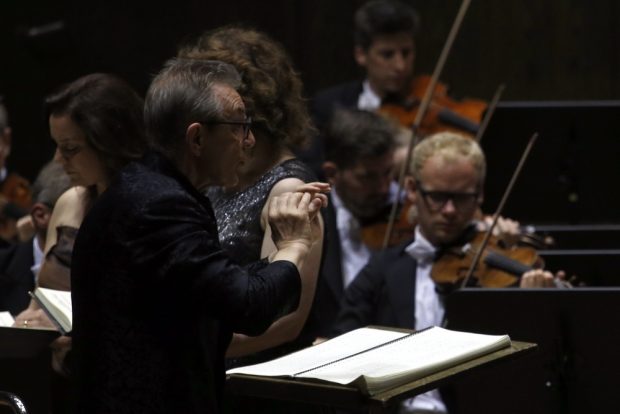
429 311
353 252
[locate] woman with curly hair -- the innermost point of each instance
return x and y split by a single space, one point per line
272 92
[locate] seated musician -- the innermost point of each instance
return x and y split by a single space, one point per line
359 166
397 287
385 50
15 192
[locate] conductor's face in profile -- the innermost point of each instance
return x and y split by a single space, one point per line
219 144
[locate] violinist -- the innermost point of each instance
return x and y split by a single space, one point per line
359 166
395 288
385 50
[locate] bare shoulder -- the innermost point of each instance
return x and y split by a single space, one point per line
72 195
283 186
69 209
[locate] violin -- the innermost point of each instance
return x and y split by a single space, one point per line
499 265
485 255
373 231
443 114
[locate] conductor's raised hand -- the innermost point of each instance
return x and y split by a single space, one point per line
291 222
318 192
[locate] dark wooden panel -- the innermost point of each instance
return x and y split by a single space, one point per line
557 49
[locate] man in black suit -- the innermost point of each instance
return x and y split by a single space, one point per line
385 50
359 167
395 288
19 263
155 299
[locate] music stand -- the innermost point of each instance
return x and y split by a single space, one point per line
308 391
576 368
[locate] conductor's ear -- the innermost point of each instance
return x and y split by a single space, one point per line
195 136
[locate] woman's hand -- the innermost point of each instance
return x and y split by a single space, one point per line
33 317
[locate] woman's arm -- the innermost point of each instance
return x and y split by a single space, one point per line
68 211
288 327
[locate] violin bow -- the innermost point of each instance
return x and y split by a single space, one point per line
424 105
489 113
500 207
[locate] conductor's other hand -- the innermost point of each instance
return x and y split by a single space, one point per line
317 190
293 218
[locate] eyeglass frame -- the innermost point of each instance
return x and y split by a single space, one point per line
247 124
450 197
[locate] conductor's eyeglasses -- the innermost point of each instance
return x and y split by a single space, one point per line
246 124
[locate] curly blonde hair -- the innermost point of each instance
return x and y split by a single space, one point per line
271 88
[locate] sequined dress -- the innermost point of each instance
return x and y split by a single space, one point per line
241 236
238 214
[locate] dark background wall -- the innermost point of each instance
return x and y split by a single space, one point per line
542 50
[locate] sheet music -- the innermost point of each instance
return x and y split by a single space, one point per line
334 349
426 352
6 319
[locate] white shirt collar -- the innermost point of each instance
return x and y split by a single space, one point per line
421 249
345 221
368 99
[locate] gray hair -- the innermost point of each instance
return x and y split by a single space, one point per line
51 182
182 93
